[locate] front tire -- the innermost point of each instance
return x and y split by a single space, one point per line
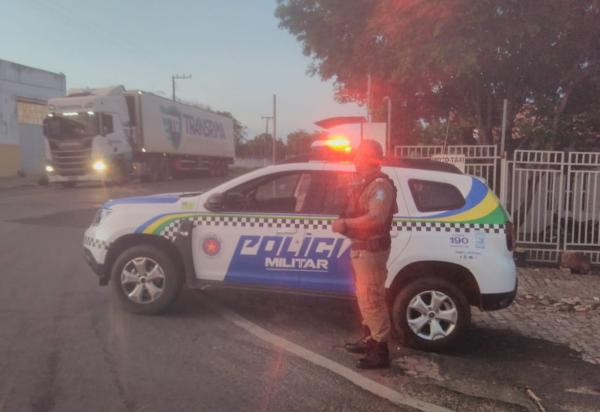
146 280
430 314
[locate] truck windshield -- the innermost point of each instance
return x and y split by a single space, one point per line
72 126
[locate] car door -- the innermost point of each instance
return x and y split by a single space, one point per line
259 237
335 187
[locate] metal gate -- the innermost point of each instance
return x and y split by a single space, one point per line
553 197
581 219
535 199
482 161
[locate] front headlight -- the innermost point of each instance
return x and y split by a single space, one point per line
101 214
99 166
49 169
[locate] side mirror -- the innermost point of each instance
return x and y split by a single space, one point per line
215 202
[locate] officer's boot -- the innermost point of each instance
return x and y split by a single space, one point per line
378 356
362 345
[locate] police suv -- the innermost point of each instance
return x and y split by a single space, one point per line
271 229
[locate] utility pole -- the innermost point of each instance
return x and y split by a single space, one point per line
178 77
274 127
388 128
504 125
369 119
266 119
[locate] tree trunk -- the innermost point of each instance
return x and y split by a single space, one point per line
482 124
560 108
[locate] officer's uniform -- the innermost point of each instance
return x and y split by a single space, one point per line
375 196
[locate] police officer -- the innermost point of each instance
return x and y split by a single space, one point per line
367 221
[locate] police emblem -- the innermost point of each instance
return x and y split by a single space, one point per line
211 246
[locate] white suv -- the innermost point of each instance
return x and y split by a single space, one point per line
271 229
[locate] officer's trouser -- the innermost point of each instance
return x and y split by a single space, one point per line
370 273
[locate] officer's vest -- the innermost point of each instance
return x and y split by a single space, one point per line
354 208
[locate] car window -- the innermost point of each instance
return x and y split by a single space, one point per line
107 124
281 187
432 196
281 193
337 192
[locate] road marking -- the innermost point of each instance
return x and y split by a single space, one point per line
356 378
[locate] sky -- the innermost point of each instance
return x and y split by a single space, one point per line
236 53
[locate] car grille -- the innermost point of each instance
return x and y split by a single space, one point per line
71 158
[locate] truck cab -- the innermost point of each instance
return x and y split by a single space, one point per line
87 136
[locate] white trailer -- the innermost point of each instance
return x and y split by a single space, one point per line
110 134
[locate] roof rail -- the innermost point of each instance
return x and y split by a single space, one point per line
421 164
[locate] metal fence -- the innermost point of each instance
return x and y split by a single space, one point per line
482 161
581 219
535 199
553 197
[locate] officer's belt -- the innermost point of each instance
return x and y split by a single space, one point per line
377 244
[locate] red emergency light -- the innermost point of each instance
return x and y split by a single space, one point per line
336 143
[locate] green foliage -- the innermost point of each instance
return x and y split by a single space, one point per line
435 57
261 146
298 142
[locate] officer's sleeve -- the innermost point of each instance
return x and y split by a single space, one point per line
380 200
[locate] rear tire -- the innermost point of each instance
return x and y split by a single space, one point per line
224 169
146 280
430 314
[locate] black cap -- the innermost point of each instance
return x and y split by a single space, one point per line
370 150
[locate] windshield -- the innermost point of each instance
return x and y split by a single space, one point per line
73 126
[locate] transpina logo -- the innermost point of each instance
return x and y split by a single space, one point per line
172 123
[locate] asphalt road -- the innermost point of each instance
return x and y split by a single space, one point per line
66 345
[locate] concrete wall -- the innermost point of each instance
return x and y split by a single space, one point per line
22 82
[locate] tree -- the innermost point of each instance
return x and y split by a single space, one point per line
261 147
461 57
299 141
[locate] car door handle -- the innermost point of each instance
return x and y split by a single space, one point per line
286 231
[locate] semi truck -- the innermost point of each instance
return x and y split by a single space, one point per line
110 134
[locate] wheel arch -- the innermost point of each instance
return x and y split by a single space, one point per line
455 273
134 239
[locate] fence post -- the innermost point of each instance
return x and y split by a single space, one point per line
566 203
503 181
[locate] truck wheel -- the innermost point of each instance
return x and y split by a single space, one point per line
155 172
145 280
430 314
165 170
213 169
224 169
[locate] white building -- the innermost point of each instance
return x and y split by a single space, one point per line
24 92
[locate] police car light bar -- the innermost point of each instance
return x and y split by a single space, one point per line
336 143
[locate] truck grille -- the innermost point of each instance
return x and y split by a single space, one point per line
71 158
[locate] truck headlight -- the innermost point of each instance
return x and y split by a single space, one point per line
49 169
101 214
99 166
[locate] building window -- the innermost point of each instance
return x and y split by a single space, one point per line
31 112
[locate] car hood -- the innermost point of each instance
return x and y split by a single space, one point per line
165 198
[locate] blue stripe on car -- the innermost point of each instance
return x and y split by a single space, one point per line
142 200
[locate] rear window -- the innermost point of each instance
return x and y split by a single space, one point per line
435 196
